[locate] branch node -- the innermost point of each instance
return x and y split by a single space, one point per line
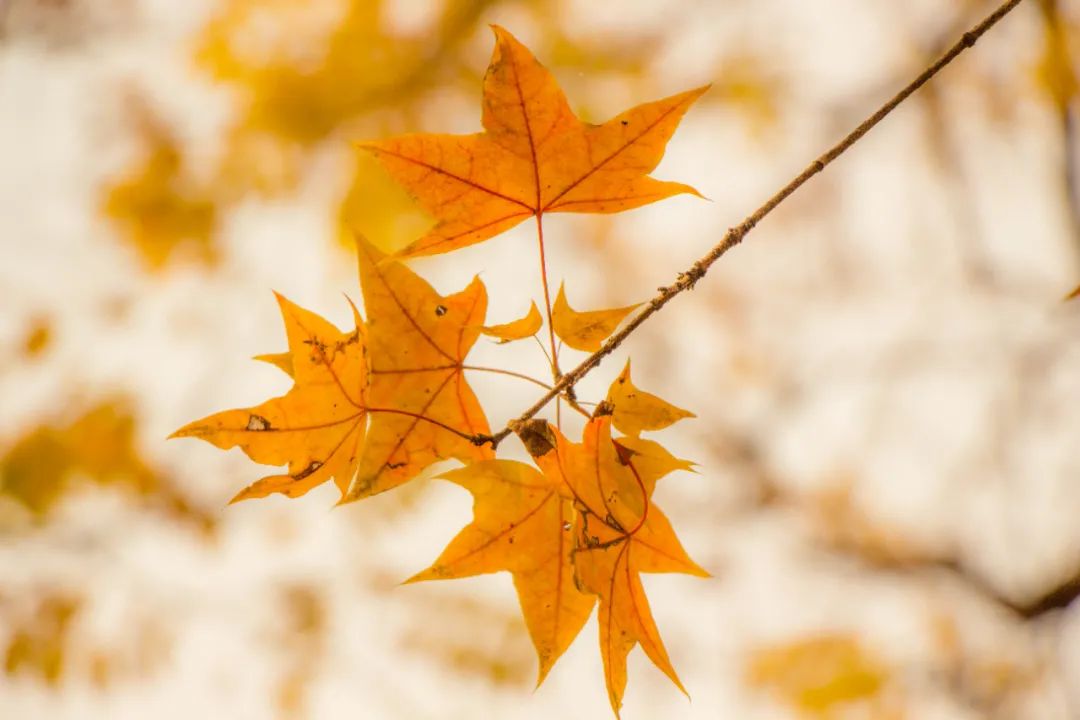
482 439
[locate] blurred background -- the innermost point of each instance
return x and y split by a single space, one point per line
885 375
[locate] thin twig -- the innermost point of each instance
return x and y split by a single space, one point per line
735 235
510 373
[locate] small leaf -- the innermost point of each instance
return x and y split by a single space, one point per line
636 410
518 329
585 331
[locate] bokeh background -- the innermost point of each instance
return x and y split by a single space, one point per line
885 376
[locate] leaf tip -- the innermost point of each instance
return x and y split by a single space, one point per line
189 430
239 497
344 500
541 674
418 577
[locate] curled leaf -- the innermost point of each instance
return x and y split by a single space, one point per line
587 330
518 329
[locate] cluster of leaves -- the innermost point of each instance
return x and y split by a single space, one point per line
372 407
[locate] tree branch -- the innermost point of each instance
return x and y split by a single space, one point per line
735 235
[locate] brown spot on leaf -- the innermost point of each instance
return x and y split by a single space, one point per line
257 423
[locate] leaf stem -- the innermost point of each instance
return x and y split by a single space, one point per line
687 279
500 371
393 411
555 373
644 498
511 373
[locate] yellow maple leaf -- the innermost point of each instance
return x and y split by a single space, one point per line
318 427
586 330
635 410
522 523
618 533
423 409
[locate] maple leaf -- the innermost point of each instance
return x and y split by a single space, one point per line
635 410
371 408
422 409
318 427
522 524
535 156
587 330
619 533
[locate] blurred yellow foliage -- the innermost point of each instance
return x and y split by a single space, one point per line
156 204
47 641
301 75
379 209
305 70
37 647
473 638
38 337
821 675
97 448
1055 72
746 83
303 644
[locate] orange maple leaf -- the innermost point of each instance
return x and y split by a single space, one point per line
543 527
619 533
522 524
422 408
371 408
318 427
534 157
